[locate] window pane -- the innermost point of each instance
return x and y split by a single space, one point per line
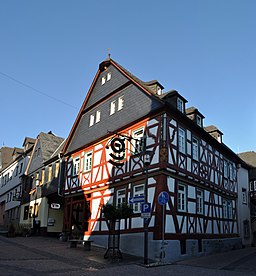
87 161
137 141
112 107
182 146
120 102
91 120
97 116
138 191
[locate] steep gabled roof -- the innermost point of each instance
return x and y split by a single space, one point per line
249 157
49 143
5 157
146 87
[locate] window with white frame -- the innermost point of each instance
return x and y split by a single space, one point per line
225 168
112 107
76 166
199 120
138 190
182 140
195 149
120 197
231 171
87 161
120 103
108 76
49 174
92 118
182 198
180 105
229 205
244 196
137 141
199 201
103 80
227 209
98 113
57 168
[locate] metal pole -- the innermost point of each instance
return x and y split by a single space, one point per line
146 222
163 230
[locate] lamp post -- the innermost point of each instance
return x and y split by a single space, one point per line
146 162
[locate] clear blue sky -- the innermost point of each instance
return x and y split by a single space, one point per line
205 49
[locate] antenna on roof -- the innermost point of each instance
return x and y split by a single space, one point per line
108 49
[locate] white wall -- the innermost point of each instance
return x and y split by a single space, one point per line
243 205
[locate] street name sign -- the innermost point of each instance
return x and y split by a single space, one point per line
136 199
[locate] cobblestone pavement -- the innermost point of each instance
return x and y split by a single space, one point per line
49 256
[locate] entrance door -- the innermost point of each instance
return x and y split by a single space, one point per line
77 214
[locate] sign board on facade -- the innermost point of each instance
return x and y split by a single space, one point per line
55 205
136 199
163 198
145 210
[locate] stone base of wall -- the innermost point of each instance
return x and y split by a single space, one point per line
170 251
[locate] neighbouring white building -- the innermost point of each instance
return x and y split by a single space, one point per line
11 182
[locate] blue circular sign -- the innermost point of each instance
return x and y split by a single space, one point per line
163 198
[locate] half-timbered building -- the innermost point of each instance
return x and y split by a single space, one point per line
120 120
41 206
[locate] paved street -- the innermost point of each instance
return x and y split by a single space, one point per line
49 256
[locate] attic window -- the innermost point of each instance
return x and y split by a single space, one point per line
120 103
112 107
92 117
159 91
199 120
103 80
97 116
180 105
108 76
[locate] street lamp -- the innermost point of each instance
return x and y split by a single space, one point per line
146 161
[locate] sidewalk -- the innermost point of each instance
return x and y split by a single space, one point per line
38 256
50 254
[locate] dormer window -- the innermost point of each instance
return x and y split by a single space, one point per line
199 120
159 91
180 105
